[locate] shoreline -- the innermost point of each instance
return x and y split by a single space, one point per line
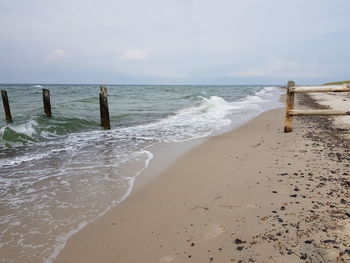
82 190
164 155
98 202
167 153
153 174
181 217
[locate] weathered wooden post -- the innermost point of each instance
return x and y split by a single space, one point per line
47 104
5 101
104 108
288 124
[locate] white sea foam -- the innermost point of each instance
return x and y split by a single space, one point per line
269 91
62 240
19 160
2 130
27 128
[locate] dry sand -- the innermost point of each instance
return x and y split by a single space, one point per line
253 194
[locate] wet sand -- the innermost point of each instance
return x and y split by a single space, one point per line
253 194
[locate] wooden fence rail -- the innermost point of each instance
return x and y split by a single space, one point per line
319 89
290 112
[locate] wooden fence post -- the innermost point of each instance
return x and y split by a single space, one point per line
104 108
47 103
288 124
5 101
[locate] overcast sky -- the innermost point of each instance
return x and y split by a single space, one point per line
174 41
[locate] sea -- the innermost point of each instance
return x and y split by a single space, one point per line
59 174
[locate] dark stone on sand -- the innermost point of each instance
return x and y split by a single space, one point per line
240 248
329 241
238 241
303 256
308 241
293 195
343 201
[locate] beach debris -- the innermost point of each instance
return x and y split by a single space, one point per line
202 207
239 241
327 241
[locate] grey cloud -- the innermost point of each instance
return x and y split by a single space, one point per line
190 40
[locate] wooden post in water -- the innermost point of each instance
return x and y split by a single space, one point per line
5 101
288 124
47 104
104 108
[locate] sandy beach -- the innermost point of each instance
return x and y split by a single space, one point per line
174 131
254 194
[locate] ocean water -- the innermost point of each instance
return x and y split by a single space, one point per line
59 174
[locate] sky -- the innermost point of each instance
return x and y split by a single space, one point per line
174 41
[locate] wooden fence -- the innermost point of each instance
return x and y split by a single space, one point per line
104 113
291 112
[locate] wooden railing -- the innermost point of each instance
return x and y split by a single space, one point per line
291 112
